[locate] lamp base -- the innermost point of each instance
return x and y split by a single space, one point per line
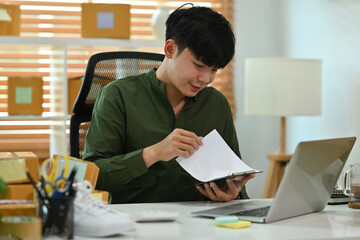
278 162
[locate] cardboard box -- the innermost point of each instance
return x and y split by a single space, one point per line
105 20
18 209
74 86
88 171
25 96
18 175
101 195
85 170
20 192
21 227
11 28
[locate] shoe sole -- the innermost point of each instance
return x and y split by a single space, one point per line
102 232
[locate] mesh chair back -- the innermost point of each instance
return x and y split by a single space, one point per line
102 69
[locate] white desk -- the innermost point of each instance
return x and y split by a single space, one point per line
335 222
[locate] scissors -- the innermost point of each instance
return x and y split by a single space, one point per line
55 184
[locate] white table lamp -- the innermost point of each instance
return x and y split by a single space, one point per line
282 87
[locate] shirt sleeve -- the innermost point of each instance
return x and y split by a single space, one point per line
104 144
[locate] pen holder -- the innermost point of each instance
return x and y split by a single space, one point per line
58 217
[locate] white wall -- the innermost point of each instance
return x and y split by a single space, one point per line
257 35
327 30
322 29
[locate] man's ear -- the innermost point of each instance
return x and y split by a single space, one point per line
170 48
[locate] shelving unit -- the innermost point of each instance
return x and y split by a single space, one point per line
56 68
85 42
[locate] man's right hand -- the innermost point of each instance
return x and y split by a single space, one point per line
178 143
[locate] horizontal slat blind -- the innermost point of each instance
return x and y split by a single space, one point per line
62 19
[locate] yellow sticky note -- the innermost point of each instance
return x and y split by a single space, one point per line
239 224
13 169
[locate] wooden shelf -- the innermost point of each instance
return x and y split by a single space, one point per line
57 52
44 116
125 43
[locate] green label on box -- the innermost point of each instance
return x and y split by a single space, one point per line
23 95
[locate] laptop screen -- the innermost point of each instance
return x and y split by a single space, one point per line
311 176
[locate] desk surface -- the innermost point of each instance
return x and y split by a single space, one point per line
335 222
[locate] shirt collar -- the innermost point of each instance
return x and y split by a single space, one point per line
160 85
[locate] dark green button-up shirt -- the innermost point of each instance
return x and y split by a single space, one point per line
133 113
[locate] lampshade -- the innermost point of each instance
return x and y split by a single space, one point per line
4 16
282 87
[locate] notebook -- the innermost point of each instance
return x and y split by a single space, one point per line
306 186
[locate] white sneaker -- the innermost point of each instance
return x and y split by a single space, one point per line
92 218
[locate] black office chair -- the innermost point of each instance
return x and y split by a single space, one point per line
102 69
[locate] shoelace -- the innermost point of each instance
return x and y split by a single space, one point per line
86 201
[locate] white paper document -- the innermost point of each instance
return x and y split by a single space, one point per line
214 160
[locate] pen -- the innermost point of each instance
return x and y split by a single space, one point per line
71 179
39 194
70 193
43 190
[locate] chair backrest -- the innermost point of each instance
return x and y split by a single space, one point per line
103 68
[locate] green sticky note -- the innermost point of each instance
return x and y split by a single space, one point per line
23 95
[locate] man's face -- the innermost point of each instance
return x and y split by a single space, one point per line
190 75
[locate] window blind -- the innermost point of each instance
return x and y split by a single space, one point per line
61 19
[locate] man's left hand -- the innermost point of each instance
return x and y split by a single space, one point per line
228 192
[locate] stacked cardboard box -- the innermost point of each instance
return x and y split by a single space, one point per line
13 168
91 174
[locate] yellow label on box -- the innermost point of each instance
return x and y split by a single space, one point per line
13 170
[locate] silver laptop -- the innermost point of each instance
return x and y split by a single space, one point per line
306 187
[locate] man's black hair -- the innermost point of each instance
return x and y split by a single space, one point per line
206 33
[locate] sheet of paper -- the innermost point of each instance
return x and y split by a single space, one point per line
213 160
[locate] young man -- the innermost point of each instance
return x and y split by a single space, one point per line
141 123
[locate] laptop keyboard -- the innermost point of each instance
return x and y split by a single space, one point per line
257 212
